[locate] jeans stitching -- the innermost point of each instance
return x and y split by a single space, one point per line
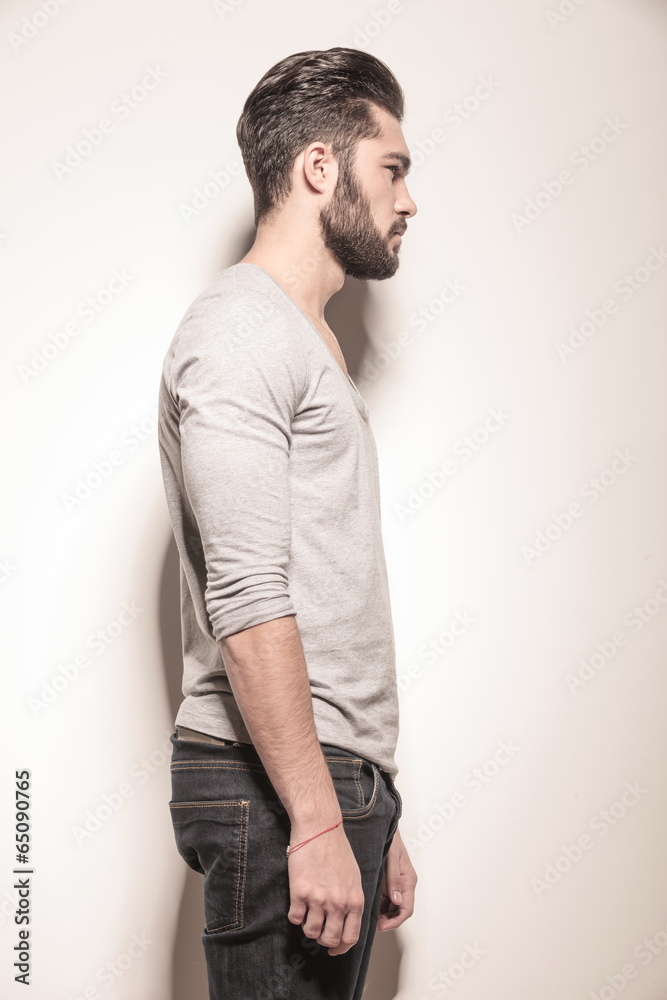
206 804
365 810
186 763
241 874
237 922
357 813
206 766
357 778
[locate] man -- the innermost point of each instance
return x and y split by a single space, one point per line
289 723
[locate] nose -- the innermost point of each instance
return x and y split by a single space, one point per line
404 204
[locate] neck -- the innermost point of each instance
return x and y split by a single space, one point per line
299 261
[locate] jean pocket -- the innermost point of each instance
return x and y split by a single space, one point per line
212 838
357 783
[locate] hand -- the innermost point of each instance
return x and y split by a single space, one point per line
326 895
399 876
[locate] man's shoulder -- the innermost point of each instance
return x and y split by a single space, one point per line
242 318
220 300
241 305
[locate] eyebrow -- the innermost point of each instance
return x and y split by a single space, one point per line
402 158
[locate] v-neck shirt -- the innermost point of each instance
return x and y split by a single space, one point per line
290 303
270 472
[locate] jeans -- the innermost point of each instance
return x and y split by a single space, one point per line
231 827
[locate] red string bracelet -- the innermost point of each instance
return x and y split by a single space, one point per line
290 850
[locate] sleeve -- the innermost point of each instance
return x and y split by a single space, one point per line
237 386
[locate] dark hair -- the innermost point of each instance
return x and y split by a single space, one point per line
325 94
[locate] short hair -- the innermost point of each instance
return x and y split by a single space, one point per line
322 94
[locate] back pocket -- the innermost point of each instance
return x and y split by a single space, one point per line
212 837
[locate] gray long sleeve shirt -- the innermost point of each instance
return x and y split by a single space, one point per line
271 479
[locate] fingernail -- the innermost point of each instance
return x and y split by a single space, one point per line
397 896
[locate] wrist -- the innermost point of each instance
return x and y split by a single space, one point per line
315 807
312 819
296 845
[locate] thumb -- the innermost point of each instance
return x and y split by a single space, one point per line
393 880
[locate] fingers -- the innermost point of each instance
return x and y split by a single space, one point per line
326 893
336 927
314 923
297 910
398 887
326 928
392 915
350 931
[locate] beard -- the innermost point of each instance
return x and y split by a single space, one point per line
350 232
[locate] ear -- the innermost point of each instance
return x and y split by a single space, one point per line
319 167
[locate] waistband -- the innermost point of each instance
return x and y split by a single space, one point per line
192 734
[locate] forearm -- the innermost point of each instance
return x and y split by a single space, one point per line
267 673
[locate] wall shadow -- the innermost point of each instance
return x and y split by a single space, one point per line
188 968
345 312
384 968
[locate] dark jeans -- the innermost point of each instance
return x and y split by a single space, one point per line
231 827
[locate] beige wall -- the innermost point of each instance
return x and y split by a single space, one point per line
515 371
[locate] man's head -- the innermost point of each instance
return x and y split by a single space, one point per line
322 129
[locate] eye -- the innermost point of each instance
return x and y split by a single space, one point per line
393 167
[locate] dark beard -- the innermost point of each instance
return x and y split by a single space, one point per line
351 234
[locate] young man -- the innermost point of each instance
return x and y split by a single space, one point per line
289 723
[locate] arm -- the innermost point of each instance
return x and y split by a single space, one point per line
237 387
267 673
